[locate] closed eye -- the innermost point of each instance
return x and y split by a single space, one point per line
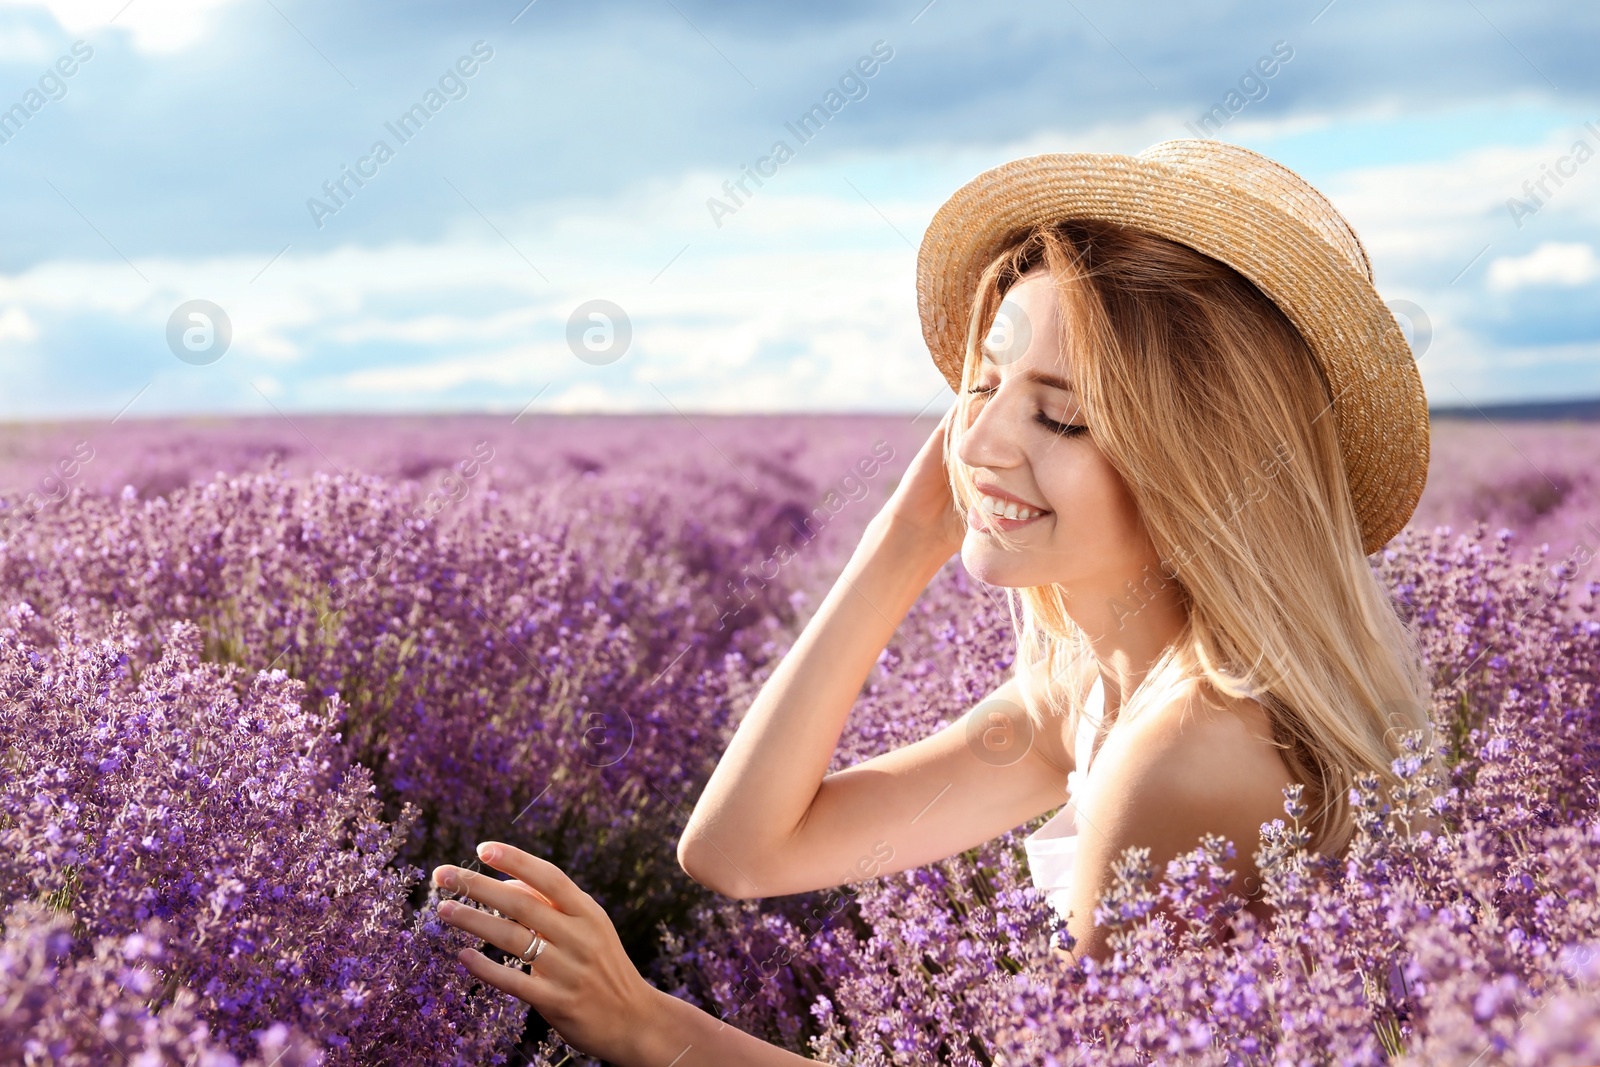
1062 428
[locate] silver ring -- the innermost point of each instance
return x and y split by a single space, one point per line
536 946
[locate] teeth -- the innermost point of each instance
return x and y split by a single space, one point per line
1008 509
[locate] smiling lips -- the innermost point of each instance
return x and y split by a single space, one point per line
1004 512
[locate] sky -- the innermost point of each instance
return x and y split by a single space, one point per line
249 206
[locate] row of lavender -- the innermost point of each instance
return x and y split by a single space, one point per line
1540 479
242 718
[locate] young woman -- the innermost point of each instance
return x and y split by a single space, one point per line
1183 420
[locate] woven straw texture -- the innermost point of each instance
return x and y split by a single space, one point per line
1241 208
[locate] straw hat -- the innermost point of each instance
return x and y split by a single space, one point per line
1252 213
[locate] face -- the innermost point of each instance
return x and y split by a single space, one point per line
1028 444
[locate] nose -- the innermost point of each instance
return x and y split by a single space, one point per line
990 440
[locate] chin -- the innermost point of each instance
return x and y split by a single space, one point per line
994 566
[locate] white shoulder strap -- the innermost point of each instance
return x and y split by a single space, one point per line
1088 726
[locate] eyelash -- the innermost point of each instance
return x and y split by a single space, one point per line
1042 419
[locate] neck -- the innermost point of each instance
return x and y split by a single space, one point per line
1127 635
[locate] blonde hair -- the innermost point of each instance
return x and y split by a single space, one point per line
1208 402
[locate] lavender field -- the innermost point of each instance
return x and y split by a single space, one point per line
257 676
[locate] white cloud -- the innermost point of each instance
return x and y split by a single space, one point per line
153 25
1552 263
804 300
582 397
438 328
15 325
1419 213
20 43
518 367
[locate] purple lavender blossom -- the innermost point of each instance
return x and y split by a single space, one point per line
242 713
177 854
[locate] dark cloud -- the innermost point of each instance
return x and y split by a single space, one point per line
215 149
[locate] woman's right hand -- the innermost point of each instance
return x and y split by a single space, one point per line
922 503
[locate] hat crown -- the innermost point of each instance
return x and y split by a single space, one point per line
1234 165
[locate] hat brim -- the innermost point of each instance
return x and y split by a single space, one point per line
1379 408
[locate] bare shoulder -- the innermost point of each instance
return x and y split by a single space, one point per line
1168 776
1201 750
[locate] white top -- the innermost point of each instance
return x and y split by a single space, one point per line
1053 847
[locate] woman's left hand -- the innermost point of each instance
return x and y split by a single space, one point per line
582 982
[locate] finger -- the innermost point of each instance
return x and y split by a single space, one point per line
510 898
521 984
476 867
540 874
506 935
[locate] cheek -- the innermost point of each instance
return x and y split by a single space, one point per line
1093 505
1120 504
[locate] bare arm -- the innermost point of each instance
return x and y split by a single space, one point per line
769 823
678 1034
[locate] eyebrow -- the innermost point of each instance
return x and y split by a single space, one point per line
1055 381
